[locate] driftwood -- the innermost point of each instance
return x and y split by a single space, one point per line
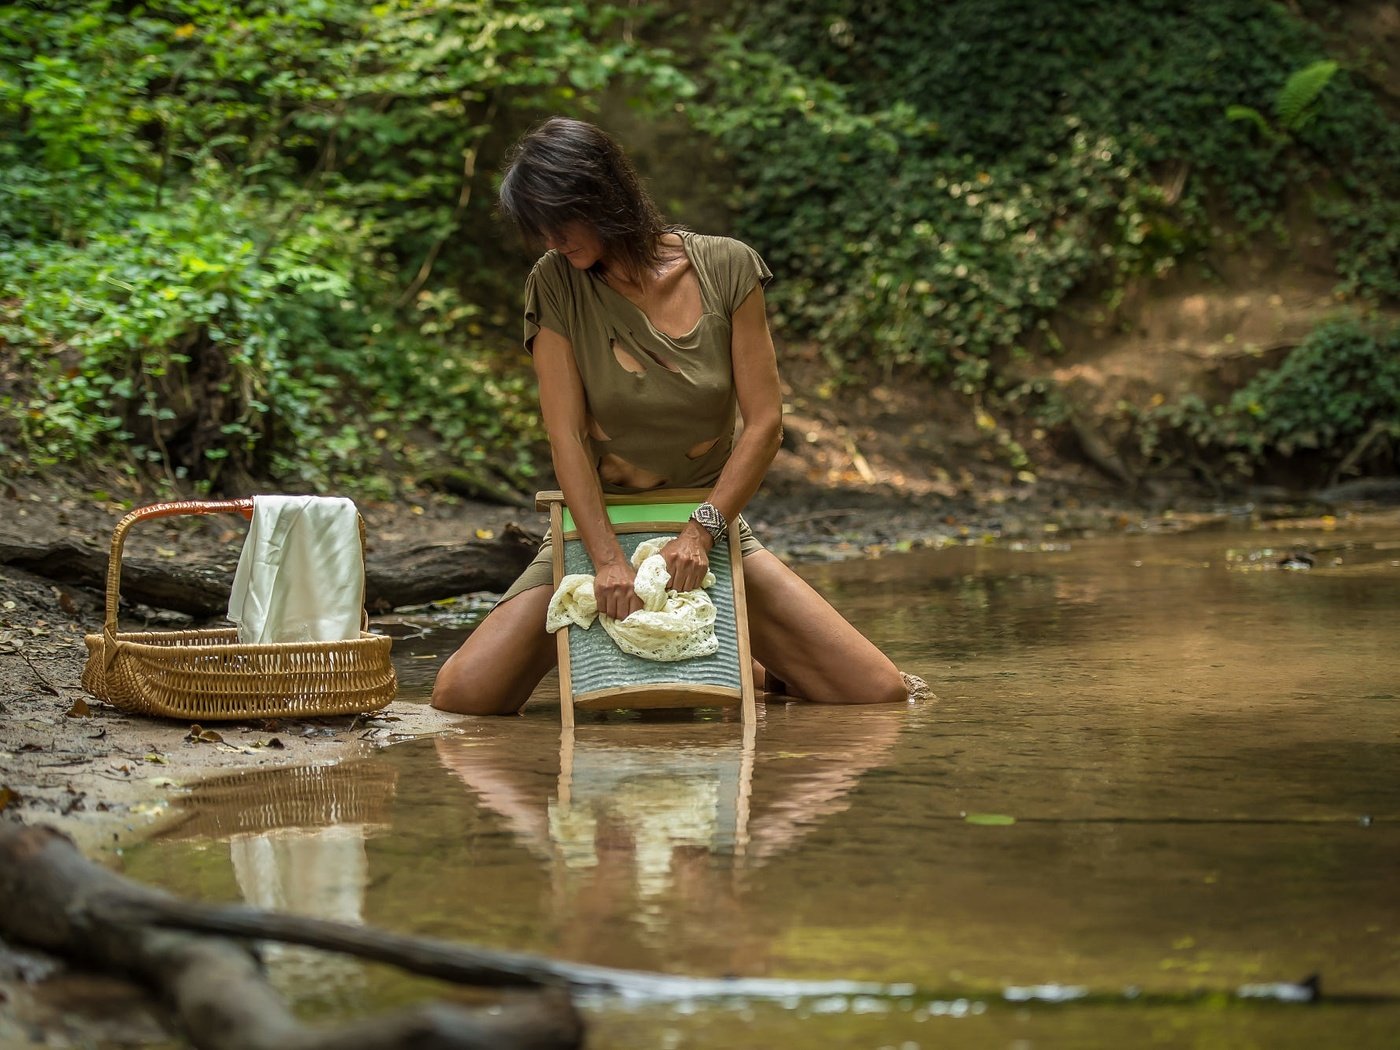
395 575
450 961
54 899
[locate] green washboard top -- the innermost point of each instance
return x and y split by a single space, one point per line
630 513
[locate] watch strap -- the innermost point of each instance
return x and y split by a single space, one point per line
709 518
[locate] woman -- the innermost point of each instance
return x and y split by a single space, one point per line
646 341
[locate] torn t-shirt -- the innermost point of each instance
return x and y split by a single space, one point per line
674 420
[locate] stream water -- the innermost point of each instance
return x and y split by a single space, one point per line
1162 777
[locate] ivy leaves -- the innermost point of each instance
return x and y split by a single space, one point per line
229 221
935 180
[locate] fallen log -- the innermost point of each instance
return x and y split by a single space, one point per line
53 898
482 967
427 572
395 575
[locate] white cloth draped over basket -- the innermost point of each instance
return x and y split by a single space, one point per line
300 577
670 626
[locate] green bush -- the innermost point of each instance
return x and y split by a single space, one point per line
254 239
1331 407
934 180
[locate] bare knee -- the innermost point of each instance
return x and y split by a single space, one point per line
888 688
501 662
453 691
854 684
876 686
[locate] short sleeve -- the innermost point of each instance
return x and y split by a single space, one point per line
544 303
745 271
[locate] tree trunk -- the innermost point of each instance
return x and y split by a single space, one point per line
52 898
395 575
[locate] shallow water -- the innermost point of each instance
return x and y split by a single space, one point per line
1200 752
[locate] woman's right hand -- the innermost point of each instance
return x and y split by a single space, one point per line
614 586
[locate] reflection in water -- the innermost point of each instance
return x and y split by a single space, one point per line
357 792
296 840
661 799
648 829
320 872
1202 760
314 871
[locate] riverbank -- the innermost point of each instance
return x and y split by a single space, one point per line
107 778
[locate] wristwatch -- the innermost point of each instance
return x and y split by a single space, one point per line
708 517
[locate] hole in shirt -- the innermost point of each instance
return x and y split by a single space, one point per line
663 362
701 448
596 432
630 362
615 470
626 360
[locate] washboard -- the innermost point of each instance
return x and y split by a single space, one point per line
594 674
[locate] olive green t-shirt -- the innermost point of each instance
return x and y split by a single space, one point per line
675 419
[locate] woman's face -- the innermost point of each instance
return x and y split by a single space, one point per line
578 242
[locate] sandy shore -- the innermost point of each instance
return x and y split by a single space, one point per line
107 778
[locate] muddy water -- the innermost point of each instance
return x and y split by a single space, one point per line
1160 770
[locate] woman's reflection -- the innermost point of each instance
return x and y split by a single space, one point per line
650 825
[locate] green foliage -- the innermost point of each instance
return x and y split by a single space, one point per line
254 238
1333 401
1296 104
933 181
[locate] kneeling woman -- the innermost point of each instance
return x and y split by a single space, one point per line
647 340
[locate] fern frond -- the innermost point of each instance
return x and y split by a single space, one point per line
1256 118
1298 96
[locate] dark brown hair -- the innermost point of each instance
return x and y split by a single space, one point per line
564 171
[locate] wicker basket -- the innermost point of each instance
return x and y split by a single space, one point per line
263 800
206 675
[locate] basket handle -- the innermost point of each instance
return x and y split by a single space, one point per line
155 510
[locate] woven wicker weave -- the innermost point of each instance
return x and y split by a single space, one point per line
263 800
206 675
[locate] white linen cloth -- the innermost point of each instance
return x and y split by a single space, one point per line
300 577
670 626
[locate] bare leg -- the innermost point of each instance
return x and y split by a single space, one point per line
802 640
501 662
767 683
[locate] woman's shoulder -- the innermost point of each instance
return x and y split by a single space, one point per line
552 267
715 246
728 264
553 278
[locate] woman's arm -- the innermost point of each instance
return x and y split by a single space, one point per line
761 407
565 416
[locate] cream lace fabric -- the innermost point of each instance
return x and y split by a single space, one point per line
670 626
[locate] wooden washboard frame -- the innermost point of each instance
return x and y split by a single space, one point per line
591 666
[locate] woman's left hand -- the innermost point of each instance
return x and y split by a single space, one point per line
688 557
